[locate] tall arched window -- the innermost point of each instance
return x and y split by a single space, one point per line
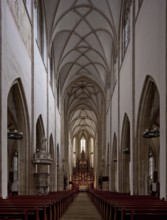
126 27
92 153
74 152
83 144
150 164
15 173
41 30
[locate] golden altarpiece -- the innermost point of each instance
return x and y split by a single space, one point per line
83 174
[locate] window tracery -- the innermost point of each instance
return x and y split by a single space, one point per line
151 164
126 27
83 144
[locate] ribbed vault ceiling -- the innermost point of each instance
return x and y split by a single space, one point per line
82 34
83 104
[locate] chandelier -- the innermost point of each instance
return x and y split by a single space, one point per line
151 133
15 135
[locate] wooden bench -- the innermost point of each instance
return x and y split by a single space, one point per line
27 207
145 215
118 206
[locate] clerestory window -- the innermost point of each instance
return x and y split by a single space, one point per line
83 144
125 28
125 31
151 164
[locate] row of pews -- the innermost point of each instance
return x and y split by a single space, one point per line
42 207
122 206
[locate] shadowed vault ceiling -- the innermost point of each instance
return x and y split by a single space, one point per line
83 35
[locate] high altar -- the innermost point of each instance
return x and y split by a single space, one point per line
83 175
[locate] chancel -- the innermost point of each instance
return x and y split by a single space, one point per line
83 109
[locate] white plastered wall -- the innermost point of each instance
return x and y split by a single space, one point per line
16 63
150 53
126 101
40 89
114 126
108 133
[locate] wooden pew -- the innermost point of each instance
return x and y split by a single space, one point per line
118 206
144 214
47 207
27 209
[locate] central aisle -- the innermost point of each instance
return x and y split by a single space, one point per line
82 208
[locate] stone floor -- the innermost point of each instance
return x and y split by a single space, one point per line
82 208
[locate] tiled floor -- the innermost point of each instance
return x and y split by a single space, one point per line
82 208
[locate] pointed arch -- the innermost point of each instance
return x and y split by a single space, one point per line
148 118
108 166
40 134
51 146
52 167
125 154
41 28
18 119
114 170
59 182
125 27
